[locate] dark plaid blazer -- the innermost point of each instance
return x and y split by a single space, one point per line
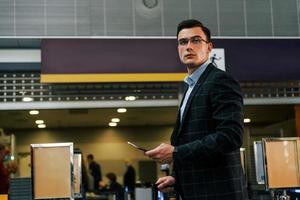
207 161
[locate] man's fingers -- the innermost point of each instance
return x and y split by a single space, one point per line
160 180
151 153
161 153
161 186
162 183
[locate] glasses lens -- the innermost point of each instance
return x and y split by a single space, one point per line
196 40
183 41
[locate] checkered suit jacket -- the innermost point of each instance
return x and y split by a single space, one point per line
207 163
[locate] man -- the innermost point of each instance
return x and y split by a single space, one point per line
4 172
129 177
95 171
208 132
114 186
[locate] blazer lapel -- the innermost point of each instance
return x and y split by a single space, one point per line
177 124
175 130
185 89
195 89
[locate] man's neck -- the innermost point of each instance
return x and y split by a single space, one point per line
192 68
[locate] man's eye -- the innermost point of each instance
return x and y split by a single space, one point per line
183 42
196 40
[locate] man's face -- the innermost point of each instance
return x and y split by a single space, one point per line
192 48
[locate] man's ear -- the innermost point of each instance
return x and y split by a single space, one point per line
210 46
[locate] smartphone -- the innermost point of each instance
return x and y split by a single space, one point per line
137 147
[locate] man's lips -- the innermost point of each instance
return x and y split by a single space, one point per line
189 55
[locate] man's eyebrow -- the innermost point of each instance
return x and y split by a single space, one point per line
190 37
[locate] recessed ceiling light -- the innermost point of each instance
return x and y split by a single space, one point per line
27 99
34 112
115 120
150 3
39 121
247 120
112 124
42 125
122 110
130 98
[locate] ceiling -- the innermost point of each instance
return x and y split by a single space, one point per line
66 118
150 116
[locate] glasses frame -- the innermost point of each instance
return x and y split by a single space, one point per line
195 40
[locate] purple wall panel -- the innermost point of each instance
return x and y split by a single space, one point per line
110 56
245 59
262 59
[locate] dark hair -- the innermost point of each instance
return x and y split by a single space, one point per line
90 156
191 23
111 176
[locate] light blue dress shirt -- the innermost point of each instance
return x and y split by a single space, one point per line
191 81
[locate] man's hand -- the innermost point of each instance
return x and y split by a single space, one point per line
163 182
162 154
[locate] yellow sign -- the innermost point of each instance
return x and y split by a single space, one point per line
3 197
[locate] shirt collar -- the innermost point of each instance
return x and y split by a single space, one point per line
194 77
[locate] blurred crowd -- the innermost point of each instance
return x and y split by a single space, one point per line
93 181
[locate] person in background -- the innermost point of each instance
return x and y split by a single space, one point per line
129 178
114 186
5 169
4 173
95 170
208 134
84 177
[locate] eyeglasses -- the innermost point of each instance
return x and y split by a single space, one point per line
196 40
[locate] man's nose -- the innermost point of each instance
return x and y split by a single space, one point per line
189 45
